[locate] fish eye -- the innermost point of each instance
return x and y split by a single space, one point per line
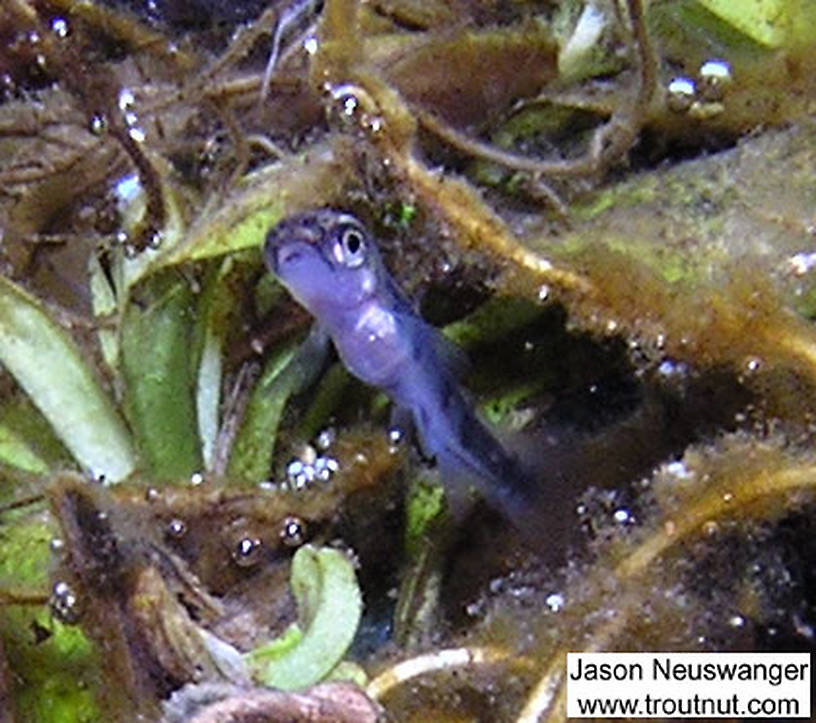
350 251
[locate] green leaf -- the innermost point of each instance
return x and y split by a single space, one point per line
49 367
255 440
329 604
157 365
242 219
289 369
14 450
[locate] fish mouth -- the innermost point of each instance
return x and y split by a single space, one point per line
286 255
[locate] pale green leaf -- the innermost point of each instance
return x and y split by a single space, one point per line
329 605
48 366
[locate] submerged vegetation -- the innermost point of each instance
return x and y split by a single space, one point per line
610 206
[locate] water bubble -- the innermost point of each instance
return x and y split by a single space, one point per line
325 438
753 364
299 474
669 368
196 479
248 551
679 470
131 252
137 134
681 93
543 292
622 516
64 603
57 545
127 190
325 467
126 99
311 45
151 494
736 621
60 27
374 123
349 104
715 76
555 601
177 528
293 532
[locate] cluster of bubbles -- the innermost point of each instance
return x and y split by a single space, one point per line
314 464
64 603
26 66
353 105
701 97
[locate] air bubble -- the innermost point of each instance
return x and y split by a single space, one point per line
126 99
177 528
325 467
299 474
137 134
155 240
622 516
715 76
349 104
60 27
555 601
679 470
681 93
325 438
196 479
57 545
64 603
247 552
293 532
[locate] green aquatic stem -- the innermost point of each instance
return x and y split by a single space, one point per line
51 370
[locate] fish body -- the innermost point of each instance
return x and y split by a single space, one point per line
331 265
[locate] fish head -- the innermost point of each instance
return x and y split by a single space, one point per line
326 259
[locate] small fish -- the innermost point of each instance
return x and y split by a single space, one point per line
329 262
